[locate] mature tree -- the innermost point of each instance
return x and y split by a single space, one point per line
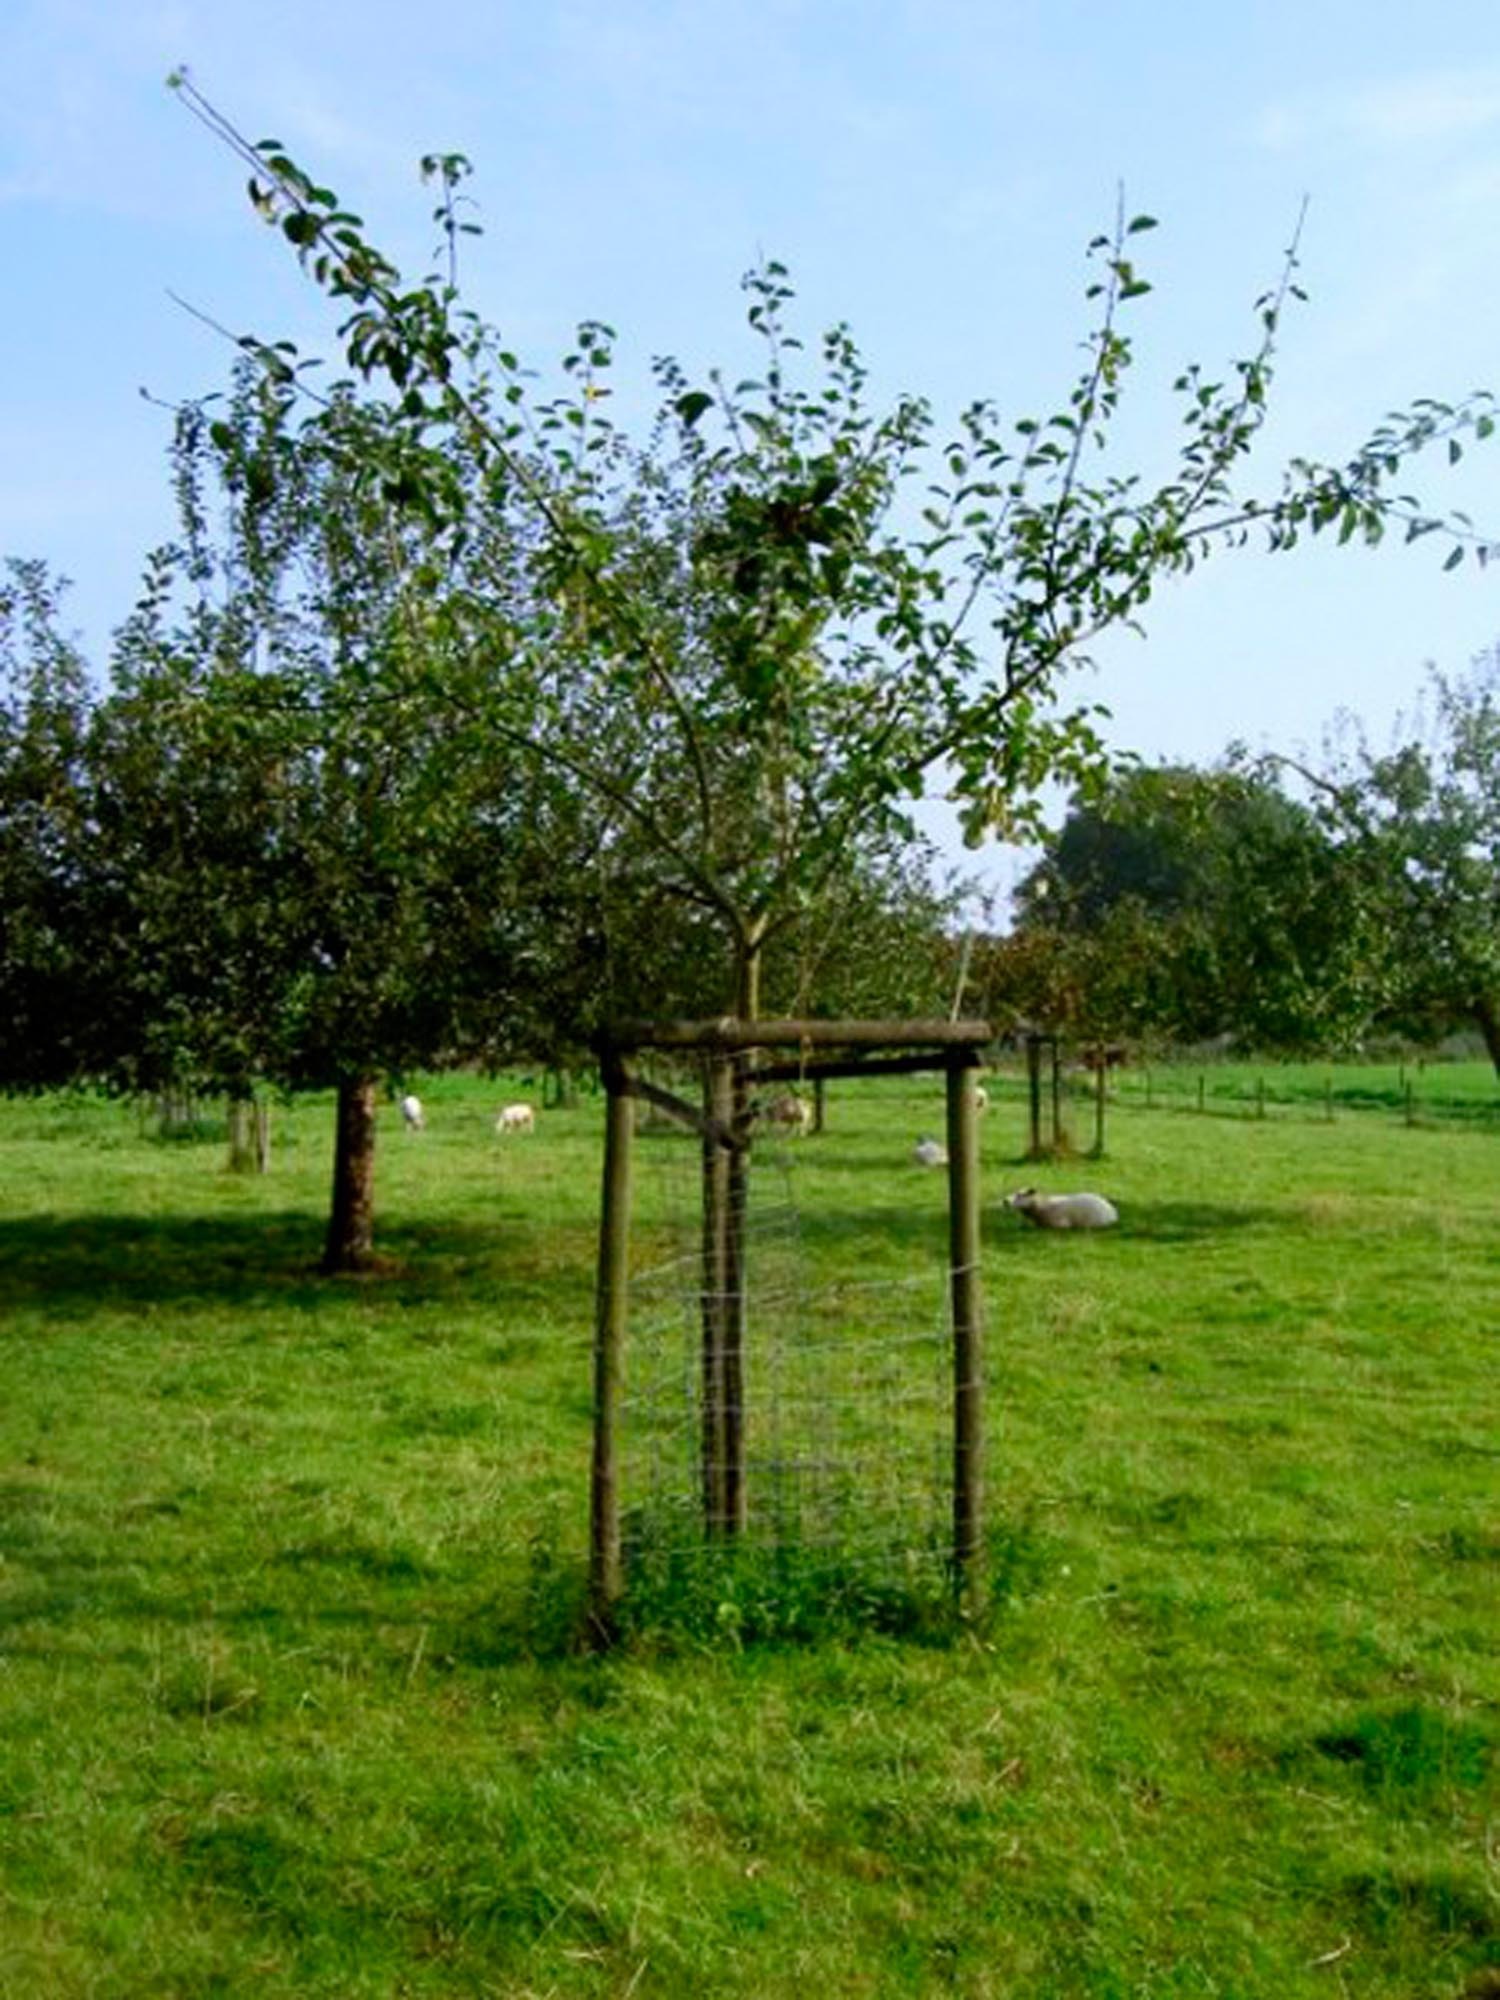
48 964
1212 904
1418 833
1111 981
318 873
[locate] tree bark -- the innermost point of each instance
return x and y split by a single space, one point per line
249 1135
350 1244
241 1144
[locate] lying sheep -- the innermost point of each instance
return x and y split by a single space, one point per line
412 1116
516 1118
929 1153
1064 1211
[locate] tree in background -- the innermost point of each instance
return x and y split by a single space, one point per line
316 873
1417 830
49 964
1209 903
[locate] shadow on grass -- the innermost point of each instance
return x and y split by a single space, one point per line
150 1260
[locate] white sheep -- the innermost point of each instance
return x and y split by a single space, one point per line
516 1118
928 1153
981 1098
1064 1211
412 1115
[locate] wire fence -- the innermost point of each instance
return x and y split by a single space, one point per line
1429 1094
848 1383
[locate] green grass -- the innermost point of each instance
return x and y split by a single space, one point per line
289 1571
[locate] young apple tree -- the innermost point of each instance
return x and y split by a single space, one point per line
759 623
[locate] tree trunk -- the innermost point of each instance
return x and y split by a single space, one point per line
249 1135
241 1143
350 1244
725 1196
1487 1014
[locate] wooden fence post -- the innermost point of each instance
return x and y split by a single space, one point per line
718 1106
609 1352
1058 1122
1101 1073
968 1333
1034 1093
737 1187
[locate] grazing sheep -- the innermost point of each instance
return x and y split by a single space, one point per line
412 1116
788 1110
981 1098
1064 1211
516 1118
928 1153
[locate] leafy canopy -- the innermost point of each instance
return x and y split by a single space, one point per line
754 631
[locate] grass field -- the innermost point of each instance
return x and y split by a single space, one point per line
289 1569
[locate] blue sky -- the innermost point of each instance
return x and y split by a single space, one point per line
931 172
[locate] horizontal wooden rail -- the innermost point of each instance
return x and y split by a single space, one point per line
727 1035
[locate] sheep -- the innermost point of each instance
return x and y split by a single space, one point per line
516 1118
412 1116
981 1098
928 1153
789 1110
1064 1211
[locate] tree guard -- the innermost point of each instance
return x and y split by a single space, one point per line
737 1057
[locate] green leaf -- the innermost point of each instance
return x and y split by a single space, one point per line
1455 557
1139 222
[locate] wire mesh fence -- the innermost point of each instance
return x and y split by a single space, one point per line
848 1385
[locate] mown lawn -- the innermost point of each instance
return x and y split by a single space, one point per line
289 1573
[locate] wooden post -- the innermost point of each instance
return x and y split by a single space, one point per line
609 1353
968 1344
1034 1082
1100 1093
718 1105
1058 1141
736 1300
